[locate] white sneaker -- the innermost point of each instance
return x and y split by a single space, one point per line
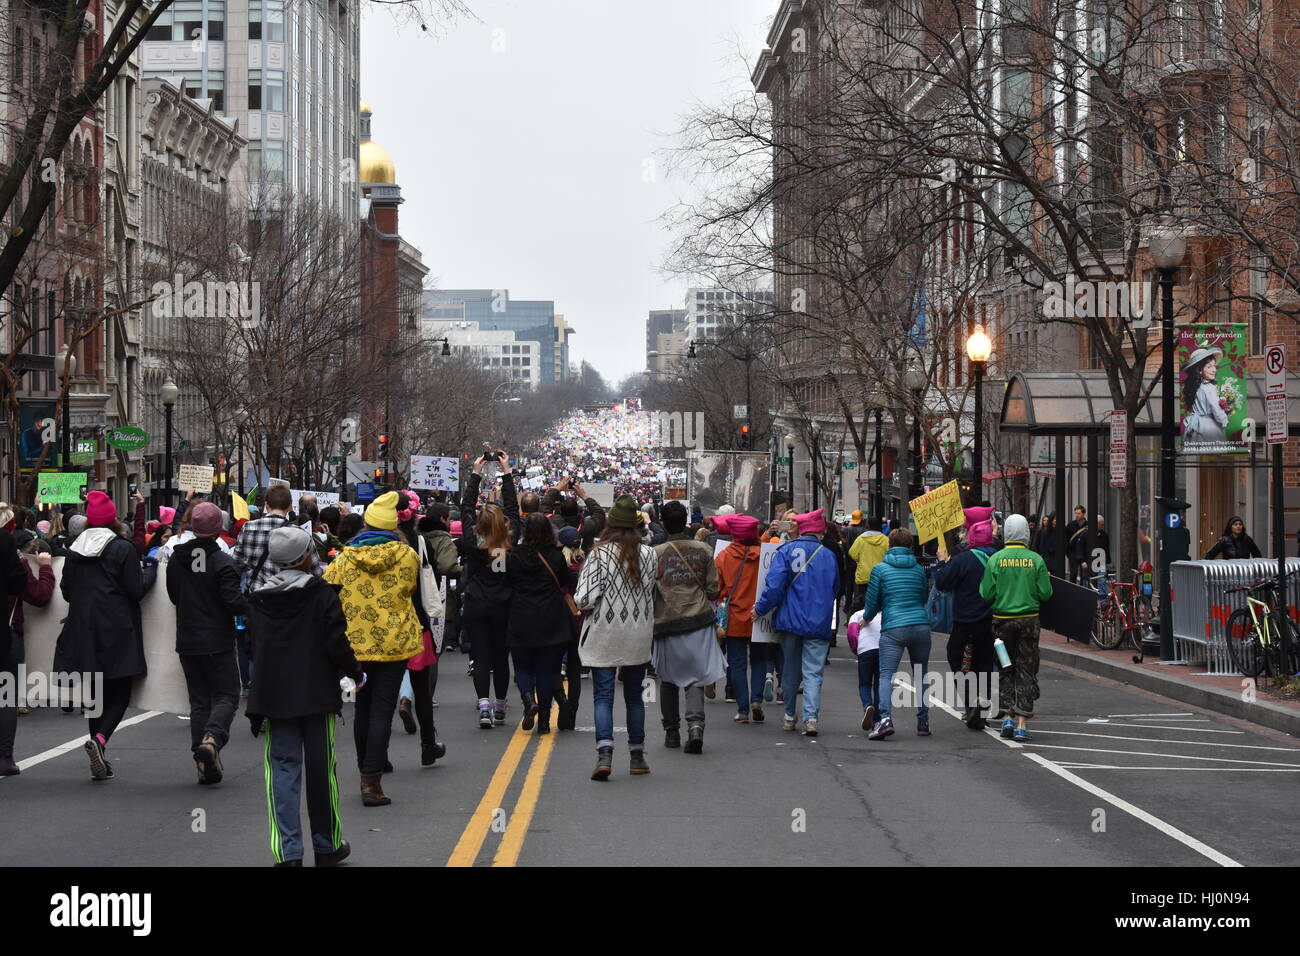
810 727
787 723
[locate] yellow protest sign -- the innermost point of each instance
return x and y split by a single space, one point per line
937 511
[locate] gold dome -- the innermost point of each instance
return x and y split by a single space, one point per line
376 165
365 107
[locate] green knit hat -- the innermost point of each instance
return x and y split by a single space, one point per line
623 514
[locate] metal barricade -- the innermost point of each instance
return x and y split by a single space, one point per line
1201 606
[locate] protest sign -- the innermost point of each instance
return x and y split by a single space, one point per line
324 499
195 478
937 511
602 491
435 473
61 488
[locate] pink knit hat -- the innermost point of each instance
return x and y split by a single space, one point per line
166 515
100 510
456 527
742 528
979 526
813 522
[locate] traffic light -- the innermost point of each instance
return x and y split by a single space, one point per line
745 434
383 446
379 474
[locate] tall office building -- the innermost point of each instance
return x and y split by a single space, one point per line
286 73
708 311
494 311
665 340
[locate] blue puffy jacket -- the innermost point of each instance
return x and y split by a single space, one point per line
804 600
898 588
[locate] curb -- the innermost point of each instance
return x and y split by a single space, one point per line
1182 689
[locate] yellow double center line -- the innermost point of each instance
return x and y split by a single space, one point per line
512 841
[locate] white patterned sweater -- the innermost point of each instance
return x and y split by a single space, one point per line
620 629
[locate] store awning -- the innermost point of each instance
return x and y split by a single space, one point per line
1079 403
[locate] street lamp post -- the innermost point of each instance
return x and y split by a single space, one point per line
241 417
914 380
67 368
168 393
1168 247
816 460
978 349
789 451
878 401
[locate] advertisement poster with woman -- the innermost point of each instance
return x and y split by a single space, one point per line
1211 361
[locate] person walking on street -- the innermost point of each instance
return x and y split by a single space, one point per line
36 591
801 587
970 646
574 556
296 698
250 550
103 583
540 625
377 574
485 609
897 591
617 585
685 654
1015 584
738 571
203 583
868 550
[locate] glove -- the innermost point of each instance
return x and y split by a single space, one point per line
255 723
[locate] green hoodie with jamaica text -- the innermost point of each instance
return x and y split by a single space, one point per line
1015 582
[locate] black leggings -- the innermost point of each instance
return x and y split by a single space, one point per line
423 684
116 695
373 720
485 626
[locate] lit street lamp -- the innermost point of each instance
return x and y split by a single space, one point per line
1168 247
978 350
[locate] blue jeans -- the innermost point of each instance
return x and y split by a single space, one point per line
804 657
869 678
916 638
602 698
751 690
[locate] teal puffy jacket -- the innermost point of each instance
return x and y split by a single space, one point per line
898 588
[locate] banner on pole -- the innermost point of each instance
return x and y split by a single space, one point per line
937 511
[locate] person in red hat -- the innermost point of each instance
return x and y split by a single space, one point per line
103 583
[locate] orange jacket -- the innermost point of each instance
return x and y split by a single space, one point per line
740 614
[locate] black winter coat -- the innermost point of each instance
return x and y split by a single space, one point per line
207 600
479 579
13 579
539 616
300 652
103 589
1234 546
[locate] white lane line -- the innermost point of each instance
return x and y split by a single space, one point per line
78 743
1144 753
1157 740
1102 766
1200 730
1172 714
1168 829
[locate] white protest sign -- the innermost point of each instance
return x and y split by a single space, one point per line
324 499
435 473
271 482
602 491
195 478
762 632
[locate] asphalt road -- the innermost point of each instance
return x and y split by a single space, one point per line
1115 777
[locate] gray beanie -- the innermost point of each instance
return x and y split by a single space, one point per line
288 546
76 525
1016 528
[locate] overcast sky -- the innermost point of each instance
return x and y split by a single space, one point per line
521 144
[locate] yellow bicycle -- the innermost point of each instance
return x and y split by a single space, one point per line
1259 632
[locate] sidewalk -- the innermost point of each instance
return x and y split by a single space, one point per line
1185 683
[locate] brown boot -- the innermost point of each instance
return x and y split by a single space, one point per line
372 794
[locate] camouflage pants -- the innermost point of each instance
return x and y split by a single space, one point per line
1018 684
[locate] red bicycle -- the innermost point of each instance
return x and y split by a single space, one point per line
1119 617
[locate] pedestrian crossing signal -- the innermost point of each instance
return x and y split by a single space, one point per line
379 474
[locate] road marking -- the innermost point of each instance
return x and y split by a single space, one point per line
512 841
1157 740
1143 753
1167 829
79 742
1201 730
1103 766
1172 714
476 831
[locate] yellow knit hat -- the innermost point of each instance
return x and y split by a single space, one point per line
382 512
